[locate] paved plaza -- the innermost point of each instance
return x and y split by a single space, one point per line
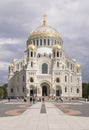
44 116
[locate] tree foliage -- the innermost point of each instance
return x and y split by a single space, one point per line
85 90
3 91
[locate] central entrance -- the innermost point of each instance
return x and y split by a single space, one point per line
45 89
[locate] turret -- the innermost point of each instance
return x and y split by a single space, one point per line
11 70
31 55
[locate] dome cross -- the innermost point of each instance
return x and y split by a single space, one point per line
44 19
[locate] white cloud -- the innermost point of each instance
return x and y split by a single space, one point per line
9 41
3 65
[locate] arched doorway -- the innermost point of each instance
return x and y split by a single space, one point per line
45 89
32 91
58 91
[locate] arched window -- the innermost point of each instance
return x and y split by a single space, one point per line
31 54
34 42
48 42
54 54
57 80
34 54
41 42
57 64
31 79
39 55
71 90
44 68
57 54
31 64
11 90
65 78
37 42
58 91
71 78
60 54
55 41
77 90
44 41
65 89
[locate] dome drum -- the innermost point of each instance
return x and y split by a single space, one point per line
44 41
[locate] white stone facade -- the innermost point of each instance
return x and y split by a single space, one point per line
44 70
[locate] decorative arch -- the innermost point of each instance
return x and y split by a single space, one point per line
45 89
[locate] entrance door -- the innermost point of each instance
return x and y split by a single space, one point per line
44 91
32 92
58 92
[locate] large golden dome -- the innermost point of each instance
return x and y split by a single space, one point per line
44 30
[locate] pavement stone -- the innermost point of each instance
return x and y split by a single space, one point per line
53 119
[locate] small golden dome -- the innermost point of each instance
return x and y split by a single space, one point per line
31 47
78 65
57 46
11 65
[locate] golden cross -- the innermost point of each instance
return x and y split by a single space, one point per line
44 19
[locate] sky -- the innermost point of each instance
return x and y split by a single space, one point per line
18 18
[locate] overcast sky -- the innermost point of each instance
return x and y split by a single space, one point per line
19 17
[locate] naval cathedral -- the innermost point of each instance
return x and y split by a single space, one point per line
44 69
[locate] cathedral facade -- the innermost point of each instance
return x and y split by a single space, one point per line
45 70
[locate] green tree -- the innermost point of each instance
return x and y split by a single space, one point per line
1 92
5 89
85 90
